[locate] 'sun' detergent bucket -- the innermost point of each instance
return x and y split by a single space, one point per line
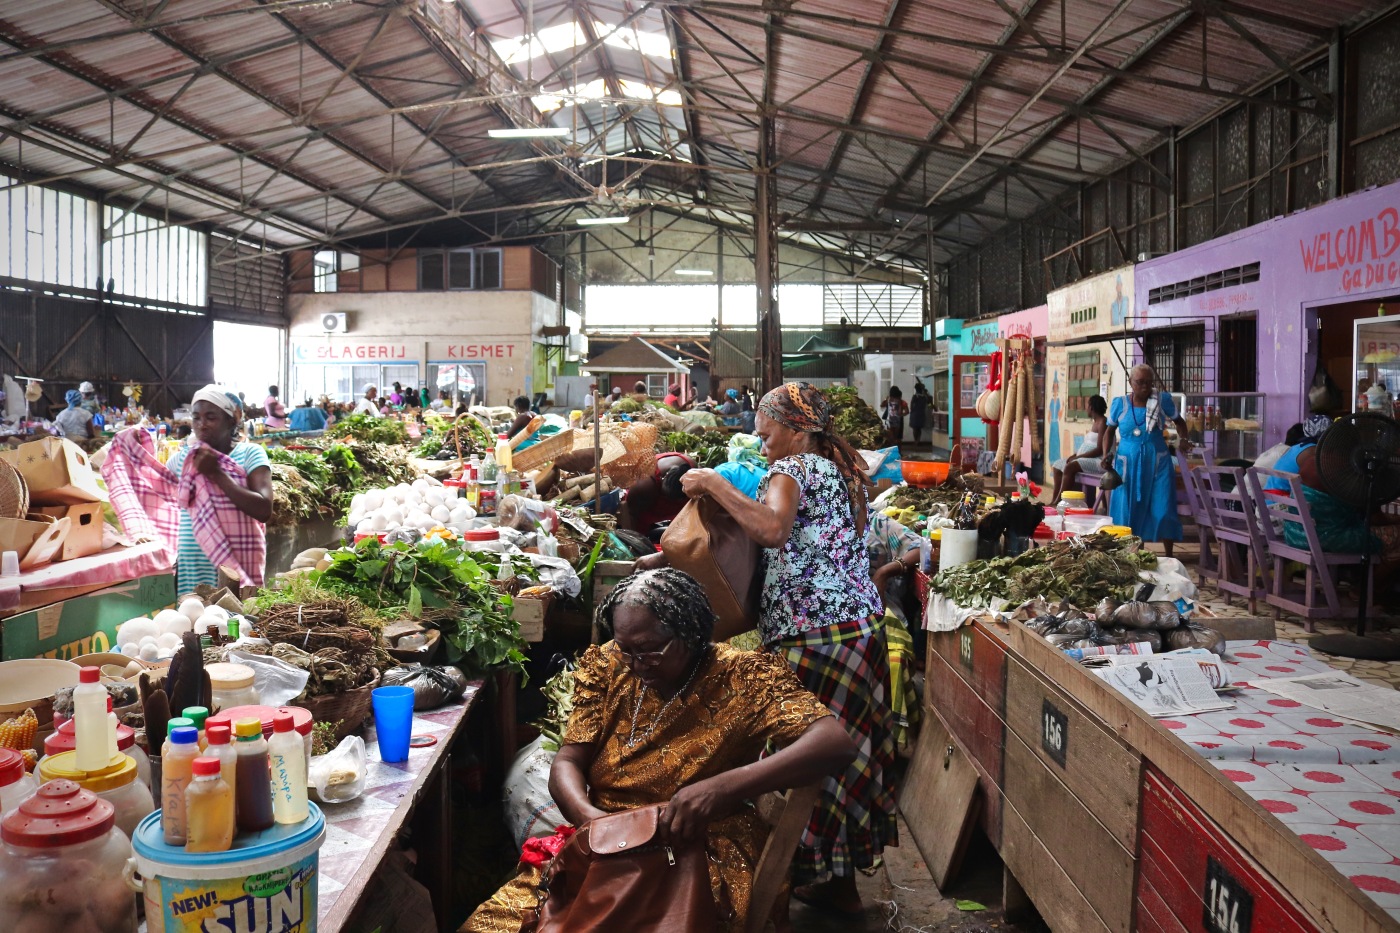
265 884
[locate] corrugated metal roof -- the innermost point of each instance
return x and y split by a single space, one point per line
334 119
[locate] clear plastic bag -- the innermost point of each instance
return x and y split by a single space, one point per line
339 775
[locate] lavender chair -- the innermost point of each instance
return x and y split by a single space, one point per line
1243 568
1274 511
1191 505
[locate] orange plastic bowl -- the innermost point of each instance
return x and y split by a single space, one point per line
923 473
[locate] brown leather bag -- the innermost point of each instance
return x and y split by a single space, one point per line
615 875
706 542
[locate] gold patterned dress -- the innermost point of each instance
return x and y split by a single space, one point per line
740 701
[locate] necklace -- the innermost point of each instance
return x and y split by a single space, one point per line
633 740
1139 425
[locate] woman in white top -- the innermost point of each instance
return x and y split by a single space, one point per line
368 405
1086 458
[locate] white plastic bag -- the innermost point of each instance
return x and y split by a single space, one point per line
276 682
530 810
339 775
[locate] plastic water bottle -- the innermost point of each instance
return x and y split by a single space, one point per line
90 721
287 752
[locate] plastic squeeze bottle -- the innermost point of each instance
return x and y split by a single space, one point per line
220 737
197 715
176 761
252 788
208 809
90 721
503 453
112 749
288 754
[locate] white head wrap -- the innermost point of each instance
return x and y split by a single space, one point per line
221 399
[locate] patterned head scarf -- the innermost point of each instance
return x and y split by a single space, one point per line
1316 426
73 397
223 400
802 407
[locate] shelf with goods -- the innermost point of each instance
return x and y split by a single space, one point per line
1229 424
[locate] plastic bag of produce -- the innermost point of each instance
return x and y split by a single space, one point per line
432 686
339 775
1135 614
530 810
1194 635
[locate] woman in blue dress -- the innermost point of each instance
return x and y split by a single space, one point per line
1146 502
1052 437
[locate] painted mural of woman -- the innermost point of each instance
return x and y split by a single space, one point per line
1052 436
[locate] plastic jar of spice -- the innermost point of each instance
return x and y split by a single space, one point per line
63 740
16 784
63 860
117 784
232 685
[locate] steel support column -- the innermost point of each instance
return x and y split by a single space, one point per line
765 246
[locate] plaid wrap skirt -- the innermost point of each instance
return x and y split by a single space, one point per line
847 666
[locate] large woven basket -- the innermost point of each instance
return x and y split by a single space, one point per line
546 450
14 492
350 708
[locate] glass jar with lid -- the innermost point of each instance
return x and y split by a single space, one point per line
63 860
232 685
16 784
117 784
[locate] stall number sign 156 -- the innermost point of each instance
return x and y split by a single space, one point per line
1054 732
1229 907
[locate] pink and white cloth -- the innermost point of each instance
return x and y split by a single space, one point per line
148 498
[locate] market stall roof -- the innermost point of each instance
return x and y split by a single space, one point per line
813 350
903 131
634 356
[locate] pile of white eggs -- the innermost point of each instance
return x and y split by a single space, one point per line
159 638
423 506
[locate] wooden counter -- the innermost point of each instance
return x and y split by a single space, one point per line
1107 820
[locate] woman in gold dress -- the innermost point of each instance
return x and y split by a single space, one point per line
663 715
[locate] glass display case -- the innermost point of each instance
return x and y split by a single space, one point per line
1228 424
1375 357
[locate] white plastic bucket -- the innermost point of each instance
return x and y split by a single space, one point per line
958 547
267 883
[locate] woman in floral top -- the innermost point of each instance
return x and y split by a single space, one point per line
821 611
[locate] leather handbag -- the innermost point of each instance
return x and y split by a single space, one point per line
615 874
706 542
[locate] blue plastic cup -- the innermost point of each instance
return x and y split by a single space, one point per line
393 721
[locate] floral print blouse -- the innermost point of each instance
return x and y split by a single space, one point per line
821 576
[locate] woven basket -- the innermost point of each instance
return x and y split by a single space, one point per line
14 492
546 450
350 708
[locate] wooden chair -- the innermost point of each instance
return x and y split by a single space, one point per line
788 814
1274 511
1230 510
1192 504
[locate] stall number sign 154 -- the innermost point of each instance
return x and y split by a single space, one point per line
1229 907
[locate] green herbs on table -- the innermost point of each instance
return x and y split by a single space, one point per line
371 428
441 584
1083 570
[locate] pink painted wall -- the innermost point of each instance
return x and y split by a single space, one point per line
1345 250
1032 322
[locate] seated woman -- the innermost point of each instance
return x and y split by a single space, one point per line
663 715
1086 458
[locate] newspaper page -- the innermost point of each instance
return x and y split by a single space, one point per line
1165 686
1341 695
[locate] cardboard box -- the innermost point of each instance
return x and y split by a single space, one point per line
85 624
57 471
528 613
17 534
85 529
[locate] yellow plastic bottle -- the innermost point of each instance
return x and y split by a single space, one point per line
176 760
221 747
208 809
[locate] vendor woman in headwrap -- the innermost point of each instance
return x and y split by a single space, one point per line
75 421
820 610
216 415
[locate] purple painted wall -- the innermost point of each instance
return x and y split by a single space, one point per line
1345 250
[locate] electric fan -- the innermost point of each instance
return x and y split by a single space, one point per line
1358 462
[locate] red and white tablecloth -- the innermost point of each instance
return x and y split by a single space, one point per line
1334 783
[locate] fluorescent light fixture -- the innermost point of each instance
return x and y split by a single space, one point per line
600 221
528 132
692 272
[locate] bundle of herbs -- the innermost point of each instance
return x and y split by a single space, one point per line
371 429
709 449
925 501
440 584
853 419
1083 570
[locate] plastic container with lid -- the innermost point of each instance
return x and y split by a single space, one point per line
232 685
63 741
118 784
16 784
1085 522
63 860
302 720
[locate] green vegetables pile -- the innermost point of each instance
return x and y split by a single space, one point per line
853 419
927 501
439 584
558 693
707 450
1083 570
314 482
371 429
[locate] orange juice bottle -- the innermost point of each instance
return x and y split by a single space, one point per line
208 809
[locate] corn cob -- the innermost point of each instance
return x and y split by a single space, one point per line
19 732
